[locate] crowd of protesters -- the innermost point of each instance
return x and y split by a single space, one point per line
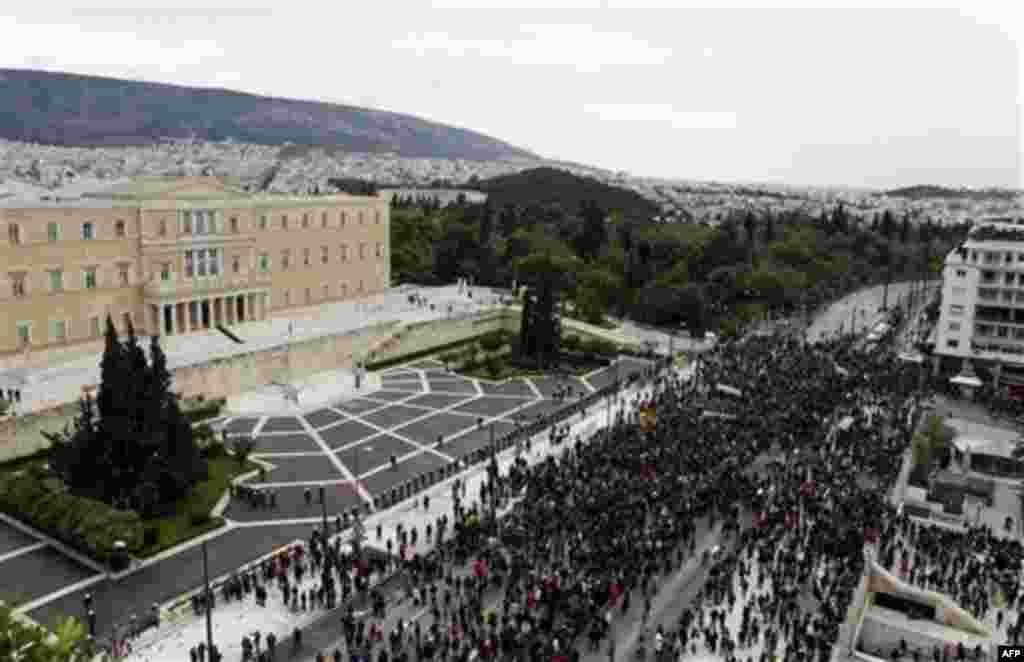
597 530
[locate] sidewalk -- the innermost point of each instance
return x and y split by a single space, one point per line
234 620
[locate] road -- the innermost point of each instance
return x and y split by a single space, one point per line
861 306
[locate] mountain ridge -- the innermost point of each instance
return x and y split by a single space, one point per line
75 110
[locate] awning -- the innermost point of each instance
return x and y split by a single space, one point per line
964 380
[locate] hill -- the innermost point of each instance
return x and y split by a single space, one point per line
73 110
551 186
926 191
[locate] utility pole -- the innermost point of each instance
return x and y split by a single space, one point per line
206 603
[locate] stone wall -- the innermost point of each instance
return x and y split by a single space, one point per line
22 435
223 378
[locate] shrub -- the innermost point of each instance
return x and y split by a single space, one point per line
600 347
151 536
206 410
214 450
494 366
198 517
571 343
90 526
492 342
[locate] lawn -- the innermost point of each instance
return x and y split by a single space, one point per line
179 527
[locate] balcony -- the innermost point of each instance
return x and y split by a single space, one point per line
208 285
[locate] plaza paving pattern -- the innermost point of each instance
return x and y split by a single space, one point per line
333 447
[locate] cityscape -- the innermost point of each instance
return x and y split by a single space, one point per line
288 376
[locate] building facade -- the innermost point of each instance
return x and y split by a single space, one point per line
981 321
171 255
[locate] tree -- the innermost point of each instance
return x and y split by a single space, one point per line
888 226
546 275
22 642
905 229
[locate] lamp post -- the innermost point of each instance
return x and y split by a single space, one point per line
209 612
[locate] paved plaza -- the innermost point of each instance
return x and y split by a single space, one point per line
346 448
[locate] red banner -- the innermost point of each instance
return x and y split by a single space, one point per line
871 535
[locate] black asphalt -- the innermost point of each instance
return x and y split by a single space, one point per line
282 424
452 386
241 425
345 434
12 538
358 406
385 479
301 469
321 418
291 504
487 406
393 416
290 442
390 396
427 430
32 575
437 400
517 387
374 452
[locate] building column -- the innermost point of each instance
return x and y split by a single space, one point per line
245 309
189 317
181 323
165 313
229 311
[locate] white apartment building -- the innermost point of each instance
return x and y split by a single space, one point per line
981 322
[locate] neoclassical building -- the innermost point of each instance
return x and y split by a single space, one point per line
179 254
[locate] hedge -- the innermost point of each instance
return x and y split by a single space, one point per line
412 356
206 410
88 526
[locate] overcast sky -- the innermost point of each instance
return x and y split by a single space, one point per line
861 97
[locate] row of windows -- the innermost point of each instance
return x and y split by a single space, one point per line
325 256
307 296
200 222
59 331
307 220
56 277
53 233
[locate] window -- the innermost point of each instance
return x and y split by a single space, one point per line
988 276
165 272
954 326
952 342
119 229
214 257
959 291
343 219
325 254
309 296
325 291
961 273
190 265
264 222
188 222
380 249
94 327
264 262
162 228
362 250
344 289
59 331
956 310
323 219
236 265
1008 278
17 285
305 220
361 220
344 252
974 256
126 321
376 216
124 274
14 233
52 232
305 257
234 224
57 280
287 297
202 227
361 288
90 278
24 333
88 231
201 262
286 259
284 222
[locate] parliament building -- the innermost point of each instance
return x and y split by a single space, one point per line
173 255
